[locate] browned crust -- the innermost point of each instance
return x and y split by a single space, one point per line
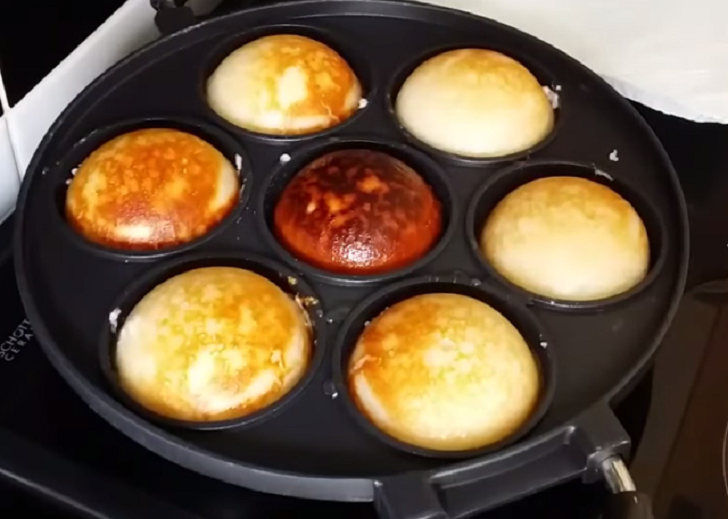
161 179
358 211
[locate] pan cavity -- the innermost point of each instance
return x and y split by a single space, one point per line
358 211
565 234
476 105
414 365
210 342
143 189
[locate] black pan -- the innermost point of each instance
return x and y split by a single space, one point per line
312 444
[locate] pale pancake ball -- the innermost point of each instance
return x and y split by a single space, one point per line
444 372
211 344
150 189
284 85
567 238
475 103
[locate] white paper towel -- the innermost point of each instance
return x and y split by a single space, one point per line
671 55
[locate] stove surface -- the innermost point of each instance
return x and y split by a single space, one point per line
694 484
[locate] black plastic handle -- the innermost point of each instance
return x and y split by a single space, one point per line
159 5
628 505
172 15
175 15
476 486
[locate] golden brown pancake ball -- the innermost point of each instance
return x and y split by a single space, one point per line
284 85
444 372
567 238
358 211
211 344
475 103
150 189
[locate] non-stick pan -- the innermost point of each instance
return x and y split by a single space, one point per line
313 444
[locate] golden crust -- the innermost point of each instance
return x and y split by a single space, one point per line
284 84
567 238
444 372
475 102
150 189
358 212
211 344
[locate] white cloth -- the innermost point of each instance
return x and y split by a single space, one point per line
671 55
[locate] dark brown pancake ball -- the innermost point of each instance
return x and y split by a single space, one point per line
358 212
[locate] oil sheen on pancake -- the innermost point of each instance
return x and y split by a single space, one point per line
358 211
150 189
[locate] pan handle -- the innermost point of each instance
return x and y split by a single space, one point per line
176 15
626 502
172 15
591 448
